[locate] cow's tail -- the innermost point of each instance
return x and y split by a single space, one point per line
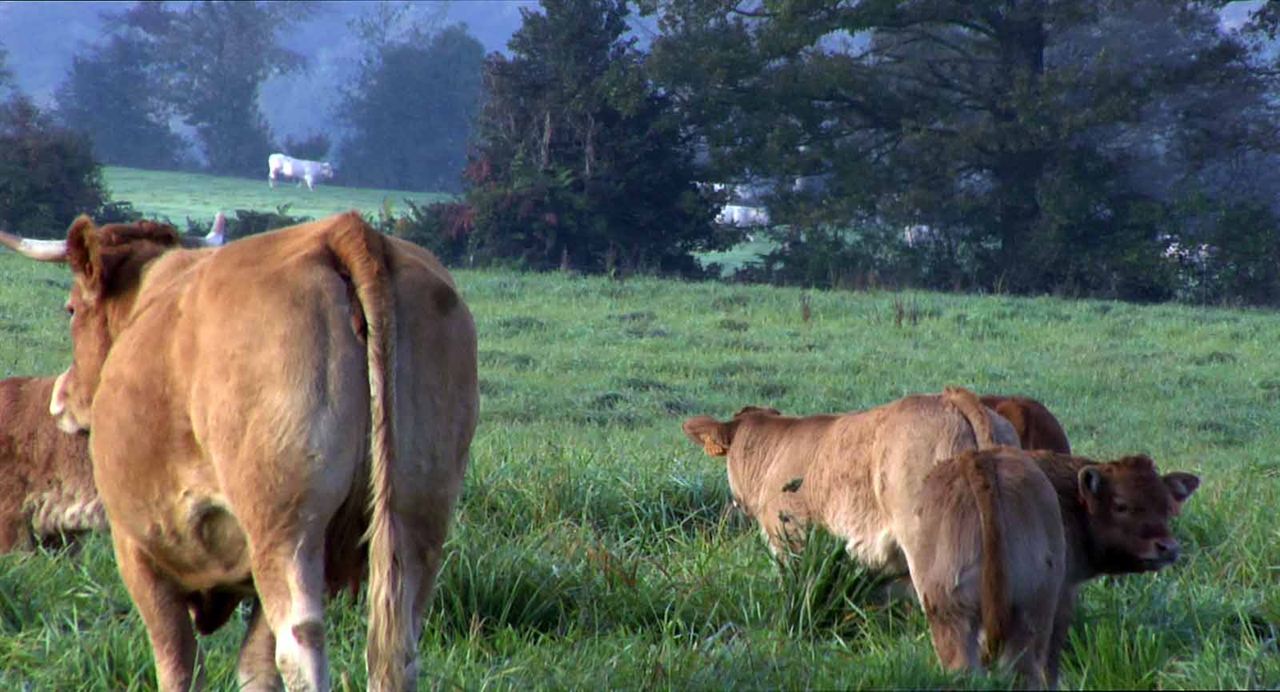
972 409
362 254
980 471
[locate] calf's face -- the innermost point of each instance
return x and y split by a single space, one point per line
1128 506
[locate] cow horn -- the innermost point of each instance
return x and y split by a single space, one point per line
43 250
216 235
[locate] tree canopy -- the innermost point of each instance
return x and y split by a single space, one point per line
1043 145
204 63
411 108
115 94
580 161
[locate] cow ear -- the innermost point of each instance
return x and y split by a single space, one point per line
710 433
1181 485
1091 482
84 253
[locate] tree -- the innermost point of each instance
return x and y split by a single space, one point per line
579 160
411 109
6 75
115 94
220 52
47 173
1013 129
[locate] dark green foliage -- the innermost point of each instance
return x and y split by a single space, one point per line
48 174
411 111
6 75
580 161
220 53
866 257
313 147
1047 146
117 212
115 95
1228 252
249 222
204 63
444 228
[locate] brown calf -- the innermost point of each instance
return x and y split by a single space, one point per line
1008 536
46 478
1037 427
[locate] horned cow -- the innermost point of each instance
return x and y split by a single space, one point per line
256 410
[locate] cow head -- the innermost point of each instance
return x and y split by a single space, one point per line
326 169
107 264
716 437
1128 505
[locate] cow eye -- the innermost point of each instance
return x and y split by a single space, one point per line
1121 508
71 309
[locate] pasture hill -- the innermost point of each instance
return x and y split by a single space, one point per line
592 549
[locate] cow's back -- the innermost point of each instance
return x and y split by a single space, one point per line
873 468
256 357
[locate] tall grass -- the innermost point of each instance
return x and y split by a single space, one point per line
592 548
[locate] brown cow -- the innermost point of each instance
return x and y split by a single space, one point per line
1007 537
257 410
46 479
861 472
1037 427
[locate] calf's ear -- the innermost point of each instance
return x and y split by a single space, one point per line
1181 485
1091 481
710 433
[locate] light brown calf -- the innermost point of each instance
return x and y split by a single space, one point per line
861 472
1006 537
1037 427
46 479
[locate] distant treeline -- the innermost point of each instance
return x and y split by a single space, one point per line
407 108
1127 150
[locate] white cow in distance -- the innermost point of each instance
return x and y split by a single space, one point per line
298 169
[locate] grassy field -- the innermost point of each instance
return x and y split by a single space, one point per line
181 195
591 549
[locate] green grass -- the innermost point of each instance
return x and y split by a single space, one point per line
591 548
181 195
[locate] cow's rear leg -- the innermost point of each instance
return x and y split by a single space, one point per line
420 574
256 671
164 612
289 578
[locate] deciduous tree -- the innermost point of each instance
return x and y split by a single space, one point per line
580 160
